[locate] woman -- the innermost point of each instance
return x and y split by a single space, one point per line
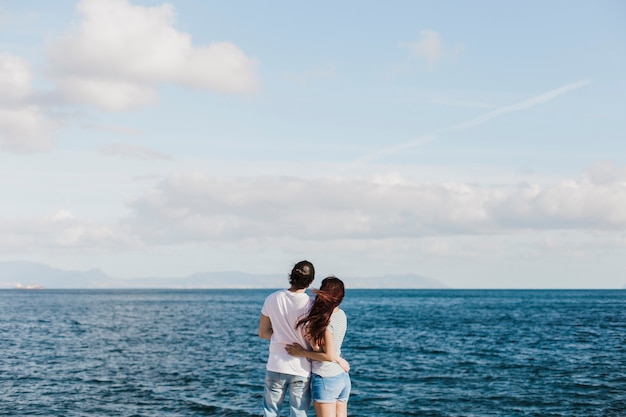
325 327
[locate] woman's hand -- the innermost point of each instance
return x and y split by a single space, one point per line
294 349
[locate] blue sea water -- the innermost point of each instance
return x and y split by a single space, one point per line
413 353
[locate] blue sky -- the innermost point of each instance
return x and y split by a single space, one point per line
478 143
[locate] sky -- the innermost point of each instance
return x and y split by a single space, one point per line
481 144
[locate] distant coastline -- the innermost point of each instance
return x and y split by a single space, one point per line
53 278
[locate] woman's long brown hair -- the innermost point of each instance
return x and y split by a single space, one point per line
328 297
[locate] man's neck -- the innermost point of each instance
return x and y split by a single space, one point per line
298 290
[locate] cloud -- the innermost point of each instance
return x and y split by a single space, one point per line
388 220
59 230
196 207
430 48
133 151
605 173
476 121
15 78
24 126
118 54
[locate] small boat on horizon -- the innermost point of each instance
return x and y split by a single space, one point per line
20 286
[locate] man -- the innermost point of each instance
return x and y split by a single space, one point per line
285 373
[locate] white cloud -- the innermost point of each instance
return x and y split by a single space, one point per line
105 94
195 207
567 205
25 129
118 54
59 230
24 126
61 215
15 78
605 172
430 47
114 59
191 208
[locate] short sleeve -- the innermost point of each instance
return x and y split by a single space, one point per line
265 309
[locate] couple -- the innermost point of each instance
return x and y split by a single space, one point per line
305 346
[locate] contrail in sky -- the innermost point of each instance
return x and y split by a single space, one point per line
429 137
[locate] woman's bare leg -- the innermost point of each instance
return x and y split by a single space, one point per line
341 409
325 409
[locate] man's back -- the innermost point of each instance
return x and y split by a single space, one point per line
284 308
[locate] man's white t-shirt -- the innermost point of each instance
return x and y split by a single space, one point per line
285 308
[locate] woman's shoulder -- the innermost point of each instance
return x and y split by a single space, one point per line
339 314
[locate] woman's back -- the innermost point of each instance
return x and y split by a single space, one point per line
337 326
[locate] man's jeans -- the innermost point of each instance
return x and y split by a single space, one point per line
277 385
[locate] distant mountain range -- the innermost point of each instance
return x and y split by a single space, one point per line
22 274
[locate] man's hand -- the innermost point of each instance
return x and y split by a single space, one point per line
343 363
294 349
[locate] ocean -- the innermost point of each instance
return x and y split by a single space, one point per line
413 352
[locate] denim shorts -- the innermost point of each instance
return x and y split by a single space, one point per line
328 389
